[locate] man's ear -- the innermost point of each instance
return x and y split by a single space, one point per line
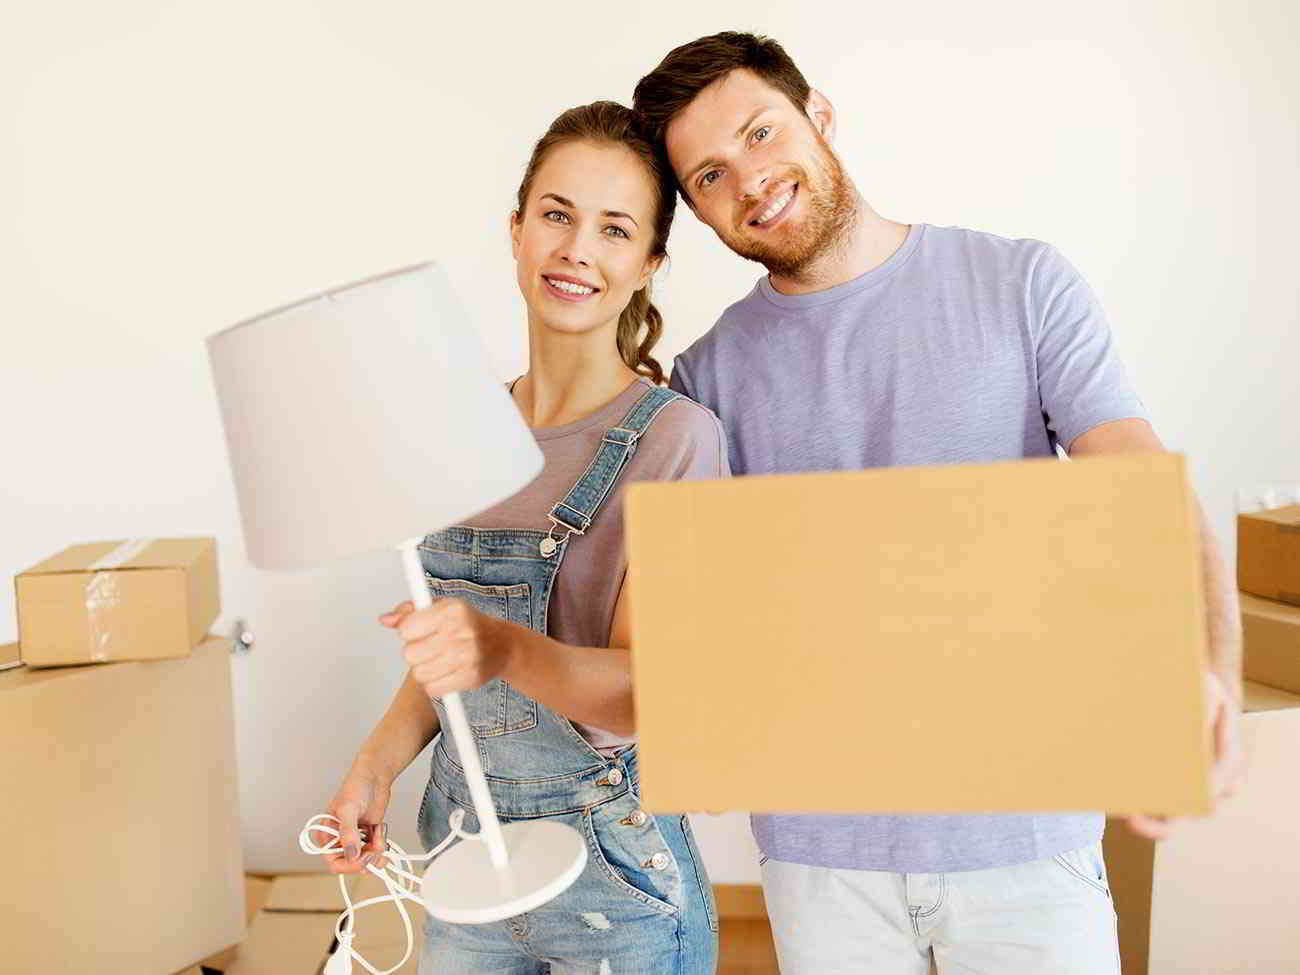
513 224
822 115
648 270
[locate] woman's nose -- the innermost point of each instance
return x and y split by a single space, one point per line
574 250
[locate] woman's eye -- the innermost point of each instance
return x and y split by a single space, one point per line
708 178
559 215
618 231
762 133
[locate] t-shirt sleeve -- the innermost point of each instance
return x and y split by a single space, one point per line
680 379
1082 382
704 450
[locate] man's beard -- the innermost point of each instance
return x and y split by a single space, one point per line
831 208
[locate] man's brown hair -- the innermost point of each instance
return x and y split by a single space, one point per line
689 69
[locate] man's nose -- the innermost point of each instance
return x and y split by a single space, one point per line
752 183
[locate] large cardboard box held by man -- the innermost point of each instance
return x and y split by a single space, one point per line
950 639
139 599
120 816
1221 895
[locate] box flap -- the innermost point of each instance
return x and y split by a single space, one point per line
313 892
1261 697
1271 610
129 553
284 943
1288 515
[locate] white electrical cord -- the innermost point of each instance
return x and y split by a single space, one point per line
400 883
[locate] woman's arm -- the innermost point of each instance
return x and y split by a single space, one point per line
406 727
452 647
592 685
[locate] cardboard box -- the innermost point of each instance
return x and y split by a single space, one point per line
9 656
139 599
1268 553
121 814
256 889
294 932
1271 642
284 943
1221 895
949 639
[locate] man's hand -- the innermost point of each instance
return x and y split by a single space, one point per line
1223 723
450 646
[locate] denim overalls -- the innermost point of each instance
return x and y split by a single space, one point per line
643 904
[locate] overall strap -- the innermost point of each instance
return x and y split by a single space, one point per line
575 513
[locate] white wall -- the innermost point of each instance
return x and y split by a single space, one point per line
173 167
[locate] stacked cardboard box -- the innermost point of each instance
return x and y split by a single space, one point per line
1223 894
293 934
119 774
137 599
1268 554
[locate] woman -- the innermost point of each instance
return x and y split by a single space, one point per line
530 622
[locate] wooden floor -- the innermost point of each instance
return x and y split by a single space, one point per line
745 947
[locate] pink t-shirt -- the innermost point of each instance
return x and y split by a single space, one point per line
685 442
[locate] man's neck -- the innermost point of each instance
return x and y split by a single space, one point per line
869 241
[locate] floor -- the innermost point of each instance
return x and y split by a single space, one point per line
746 947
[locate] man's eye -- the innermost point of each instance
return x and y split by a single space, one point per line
618 231
561 215
762 133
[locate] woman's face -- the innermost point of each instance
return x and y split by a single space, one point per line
582 244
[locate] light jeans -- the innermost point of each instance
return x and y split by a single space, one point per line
1047 916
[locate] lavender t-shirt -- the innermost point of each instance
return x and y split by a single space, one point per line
962 347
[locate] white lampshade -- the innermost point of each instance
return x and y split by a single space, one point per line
363 417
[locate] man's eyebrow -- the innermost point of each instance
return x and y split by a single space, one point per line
573 206
739 132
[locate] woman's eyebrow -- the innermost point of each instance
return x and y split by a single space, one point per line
604 213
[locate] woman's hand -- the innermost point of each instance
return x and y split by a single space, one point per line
450 646
362 799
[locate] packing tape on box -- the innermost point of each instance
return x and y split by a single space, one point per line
102 594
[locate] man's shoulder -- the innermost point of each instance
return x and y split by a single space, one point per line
727 329
981 250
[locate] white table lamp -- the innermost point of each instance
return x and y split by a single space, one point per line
364 418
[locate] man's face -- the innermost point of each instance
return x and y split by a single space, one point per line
757 170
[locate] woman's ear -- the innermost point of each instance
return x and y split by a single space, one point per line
648 270
513 223
822 115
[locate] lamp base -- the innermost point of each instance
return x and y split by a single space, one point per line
462 886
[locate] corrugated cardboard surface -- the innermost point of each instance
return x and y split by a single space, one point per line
122 814
295 929
285 943
965 638
1268 553
1222 894
1271 642
256 889
314 892
157 604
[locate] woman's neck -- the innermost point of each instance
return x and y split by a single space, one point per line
569 377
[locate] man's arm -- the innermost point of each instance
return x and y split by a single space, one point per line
1223 618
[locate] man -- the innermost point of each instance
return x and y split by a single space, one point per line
871 343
